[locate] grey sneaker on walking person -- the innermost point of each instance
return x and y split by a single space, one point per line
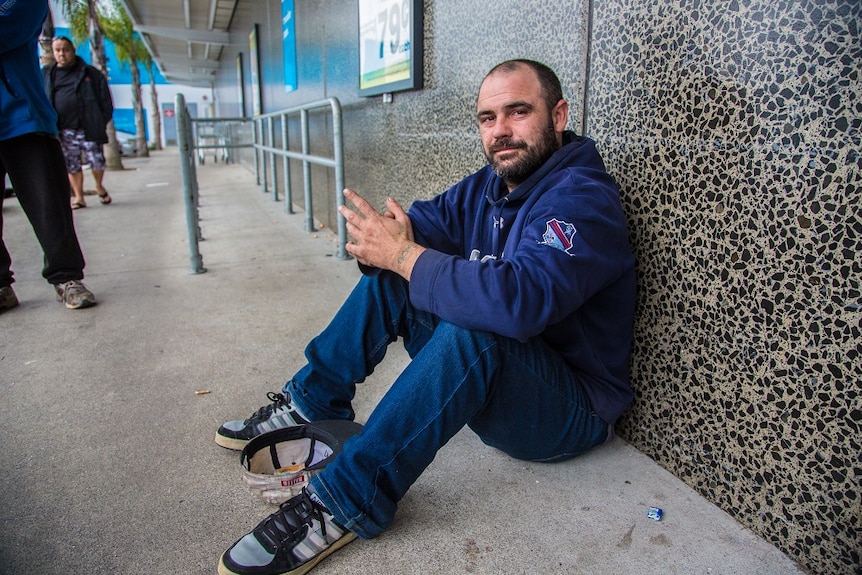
277 415
74 294
8 299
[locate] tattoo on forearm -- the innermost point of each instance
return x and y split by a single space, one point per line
403 253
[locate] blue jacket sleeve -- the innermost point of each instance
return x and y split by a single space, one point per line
439 223
24 107
535 284
20 21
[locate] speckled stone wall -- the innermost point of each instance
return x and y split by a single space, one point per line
733 127
734 131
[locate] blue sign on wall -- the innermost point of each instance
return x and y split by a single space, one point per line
288 34
124 121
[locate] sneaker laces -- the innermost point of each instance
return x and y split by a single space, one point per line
73 288
292 522
265 412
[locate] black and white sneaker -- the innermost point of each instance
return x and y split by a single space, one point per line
277 415
291 541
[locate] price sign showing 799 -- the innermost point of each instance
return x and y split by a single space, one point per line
393 28
390 45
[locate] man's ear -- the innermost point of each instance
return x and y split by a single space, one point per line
560 114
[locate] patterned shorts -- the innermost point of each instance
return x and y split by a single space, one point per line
74 145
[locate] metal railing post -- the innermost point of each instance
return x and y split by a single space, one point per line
272 163
338 156
288 195
306 173
190 191
264 133
254 138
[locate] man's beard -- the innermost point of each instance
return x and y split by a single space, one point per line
515 173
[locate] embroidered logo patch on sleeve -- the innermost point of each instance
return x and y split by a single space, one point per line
559 234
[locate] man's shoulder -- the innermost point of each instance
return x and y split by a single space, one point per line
95 75
479 177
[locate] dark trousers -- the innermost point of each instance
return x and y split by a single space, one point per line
36 168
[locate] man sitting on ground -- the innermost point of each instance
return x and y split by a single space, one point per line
514 293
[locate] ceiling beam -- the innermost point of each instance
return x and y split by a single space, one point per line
211 19
195 79
174 62
193 35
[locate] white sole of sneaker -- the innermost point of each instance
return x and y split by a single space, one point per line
83 305
305 567
230 443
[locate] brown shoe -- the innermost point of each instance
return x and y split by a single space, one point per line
8 299
75 295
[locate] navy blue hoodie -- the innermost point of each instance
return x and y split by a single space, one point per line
551 259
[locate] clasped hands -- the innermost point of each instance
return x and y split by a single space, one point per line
380 240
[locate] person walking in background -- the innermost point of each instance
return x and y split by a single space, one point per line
82 99
30 154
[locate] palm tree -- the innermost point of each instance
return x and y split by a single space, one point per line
97 38
130 49
147 60
84 23
46 37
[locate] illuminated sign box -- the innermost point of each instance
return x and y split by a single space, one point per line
390 46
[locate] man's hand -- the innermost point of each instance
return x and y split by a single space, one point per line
380 240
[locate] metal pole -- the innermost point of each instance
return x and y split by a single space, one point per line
189 183
272 159
338 156
263 169
254 137
306 174
285 145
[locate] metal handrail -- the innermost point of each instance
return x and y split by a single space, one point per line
217 132
265 146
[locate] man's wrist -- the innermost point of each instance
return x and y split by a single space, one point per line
406 258
405 250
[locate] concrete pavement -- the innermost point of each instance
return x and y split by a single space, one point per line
108 464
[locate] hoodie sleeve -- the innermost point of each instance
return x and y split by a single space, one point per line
20 21
438 223
564 248
24 107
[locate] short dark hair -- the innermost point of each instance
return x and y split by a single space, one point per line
552 90
64 39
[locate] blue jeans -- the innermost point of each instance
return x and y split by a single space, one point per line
521 398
